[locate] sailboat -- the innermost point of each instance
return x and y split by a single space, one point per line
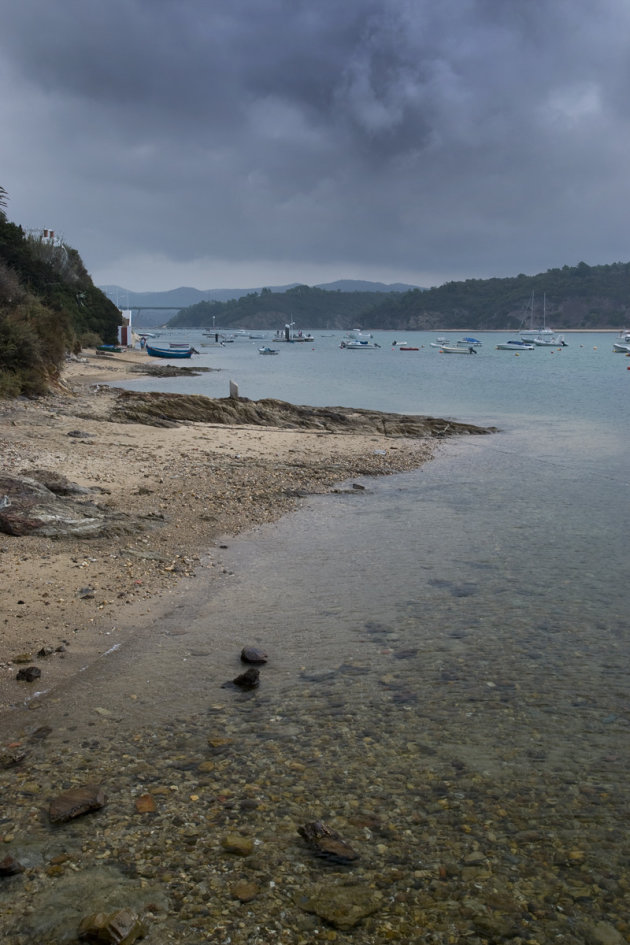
542 337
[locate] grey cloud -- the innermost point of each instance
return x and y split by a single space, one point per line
472 137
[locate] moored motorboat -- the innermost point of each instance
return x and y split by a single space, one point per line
622 344
267 350
287 334
458 349
515 345
359 345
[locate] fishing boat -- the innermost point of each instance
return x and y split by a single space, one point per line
289 335
515 345
267 350
113 349
155 352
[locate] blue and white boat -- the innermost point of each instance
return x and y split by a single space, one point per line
155 352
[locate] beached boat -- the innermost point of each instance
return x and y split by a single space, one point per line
155 352
267 350
111 348
515 345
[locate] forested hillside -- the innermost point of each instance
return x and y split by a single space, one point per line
582 296
307 307
48 306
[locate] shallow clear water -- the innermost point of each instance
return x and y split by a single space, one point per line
447 683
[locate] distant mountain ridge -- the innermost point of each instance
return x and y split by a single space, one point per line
185 296
570 297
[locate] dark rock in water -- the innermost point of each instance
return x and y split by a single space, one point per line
251 654
29 673
327 843
118 928
12 757
76 801
9 866
341 906
248 680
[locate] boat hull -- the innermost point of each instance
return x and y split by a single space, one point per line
169 352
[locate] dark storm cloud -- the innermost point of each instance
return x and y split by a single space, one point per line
372 137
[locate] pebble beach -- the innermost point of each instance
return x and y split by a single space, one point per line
437 773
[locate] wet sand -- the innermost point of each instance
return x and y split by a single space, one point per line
194 484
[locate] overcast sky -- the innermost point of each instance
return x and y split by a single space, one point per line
238 143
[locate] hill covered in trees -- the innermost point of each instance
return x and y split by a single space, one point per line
48 306
582 296
302 304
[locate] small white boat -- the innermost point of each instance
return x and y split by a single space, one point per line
458 349
465 342
439 342
358 345
515 346
267 350
622 344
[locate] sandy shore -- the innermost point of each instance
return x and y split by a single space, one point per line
197 483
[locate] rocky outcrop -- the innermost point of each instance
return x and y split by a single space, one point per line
47 504
160 409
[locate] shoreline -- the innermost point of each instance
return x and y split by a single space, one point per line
189 485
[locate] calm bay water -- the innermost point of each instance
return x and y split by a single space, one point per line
448 678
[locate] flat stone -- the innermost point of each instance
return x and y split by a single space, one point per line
76 801
341 906
235 843
117 928
245 891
